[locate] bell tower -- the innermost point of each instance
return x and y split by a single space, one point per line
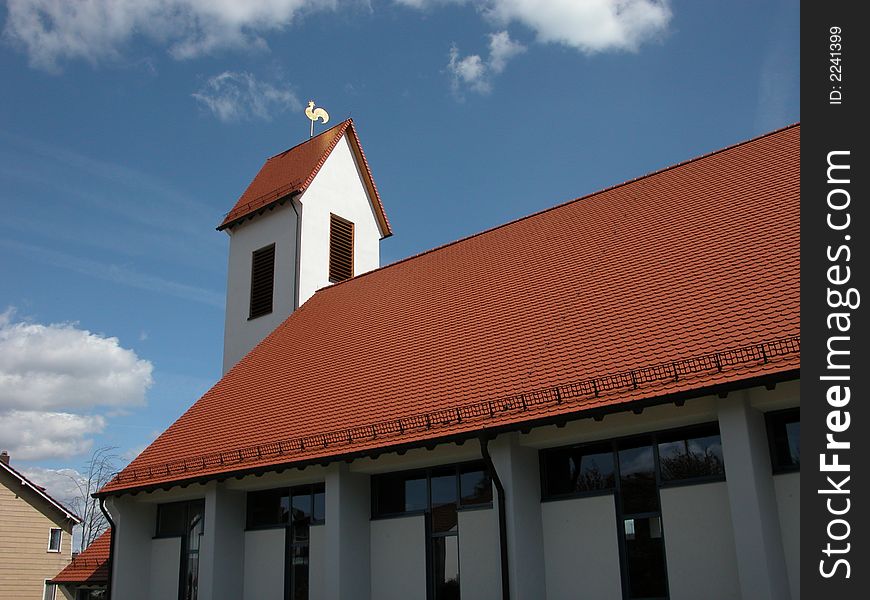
311 217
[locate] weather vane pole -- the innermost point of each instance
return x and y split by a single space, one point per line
313 114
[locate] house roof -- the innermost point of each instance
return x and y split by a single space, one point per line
91 567
292 171
673 283
40 493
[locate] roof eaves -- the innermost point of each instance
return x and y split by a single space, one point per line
768 380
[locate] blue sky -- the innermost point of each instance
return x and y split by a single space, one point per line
126 133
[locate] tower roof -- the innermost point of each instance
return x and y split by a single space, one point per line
292 171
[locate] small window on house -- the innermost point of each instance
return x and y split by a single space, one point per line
262 281
340 249
54 540
50 590
784 436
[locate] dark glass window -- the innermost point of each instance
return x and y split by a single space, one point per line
297 570
278 507
268 508
692 453
445 567
645 557
318 500
784 436
184 520
444 501
398 493
587 468
475 487
637 478
262 281
171 519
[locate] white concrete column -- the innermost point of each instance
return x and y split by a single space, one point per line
346 555
135 525
757 539
519 471
222 553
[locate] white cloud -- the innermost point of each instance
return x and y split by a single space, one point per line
475 72
588 25
95 30
233 96
46 367
38 435
51 376
61 484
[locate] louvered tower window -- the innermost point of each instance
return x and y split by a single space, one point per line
262 281
340 249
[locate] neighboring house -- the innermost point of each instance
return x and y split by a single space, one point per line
35 537
87 576
599 400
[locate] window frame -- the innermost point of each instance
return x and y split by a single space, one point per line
51 531
254 254
313 490
426 472
46 586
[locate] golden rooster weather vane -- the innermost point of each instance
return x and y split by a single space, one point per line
314 114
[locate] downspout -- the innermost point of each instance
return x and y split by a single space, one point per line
298 257
502 517
111 563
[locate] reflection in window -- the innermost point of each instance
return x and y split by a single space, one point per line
184 520
637 479
475 487
691 453
445 567
784 435
578 470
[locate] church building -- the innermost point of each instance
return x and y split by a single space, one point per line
600 400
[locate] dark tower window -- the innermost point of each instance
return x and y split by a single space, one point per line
340 249
262 281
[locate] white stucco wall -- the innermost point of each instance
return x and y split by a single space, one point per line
581 551
279 227
338 188
479 559
264 564
222 544
518 468
165 566
699 542
788 502
398 558
135 527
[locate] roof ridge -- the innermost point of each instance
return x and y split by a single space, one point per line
561 205
314 137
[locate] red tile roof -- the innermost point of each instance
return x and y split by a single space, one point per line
292 171
671 283
91 567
